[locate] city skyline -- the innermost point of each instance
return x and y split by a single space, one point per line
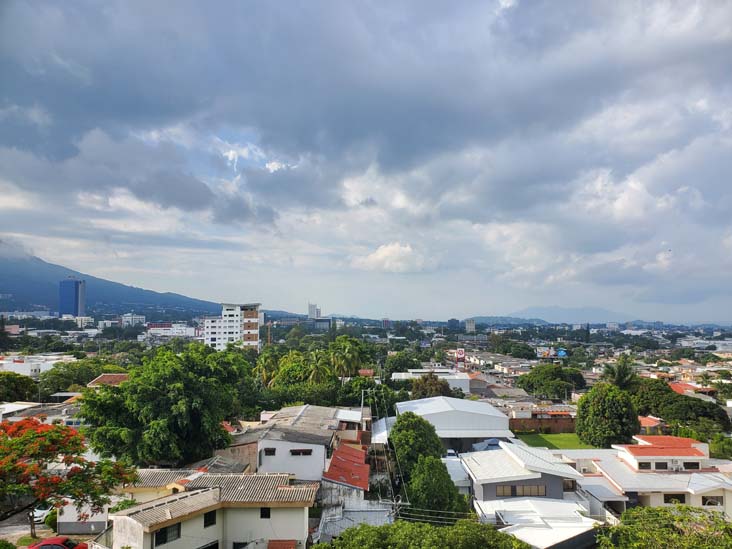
412 161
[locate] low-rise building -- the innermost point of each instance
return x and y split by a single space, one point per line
218 511
459 423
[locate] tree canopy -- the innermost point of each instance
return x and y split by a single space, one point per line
27 450
170 410
430 385
677 526
464 534
432 489
65 374
551 381
606 416
413 437
621 373
17 387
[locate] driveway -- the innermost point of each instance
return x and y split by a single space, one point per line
16 526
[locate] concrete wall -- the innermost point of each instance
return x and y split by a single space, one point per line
554 487
303 467
332 493
543 425
232 525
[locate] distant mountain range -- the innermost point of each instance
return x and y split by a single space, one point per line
506 320
569 315
33 283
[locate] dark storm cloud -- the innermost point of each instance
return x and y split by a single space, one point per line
605 127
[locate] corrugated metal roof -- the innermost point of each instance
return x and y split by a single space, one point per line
258 488
150 478
439 404
172 507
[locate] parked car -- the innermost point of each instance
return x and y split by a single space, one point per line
41 511
58 542
452 453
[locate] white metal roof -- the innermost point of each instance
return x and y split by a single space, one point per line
540 522
379 430
435 405
514 462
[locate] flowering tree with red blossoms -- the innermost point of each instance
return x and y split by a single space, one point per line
46 463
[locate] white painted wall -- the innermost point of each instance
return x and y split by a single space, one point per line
232 525
303 467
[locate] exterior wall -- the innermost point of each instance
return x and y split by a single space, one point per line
237 324
232 525
69 522
303 467
244 525
332 493
128 533
554 487
543 425
143 495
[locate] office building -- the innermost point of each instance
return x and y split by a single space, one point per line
470 326
238 324
131 319
313 311
72 297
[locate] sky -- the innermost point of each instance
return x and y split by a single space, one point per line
384 159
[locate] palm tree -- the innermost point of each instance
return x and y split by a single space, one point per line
319 363
705 379
267 366
620 374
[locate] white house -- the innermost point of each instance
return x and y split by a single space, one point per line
459 422
658 471
217 511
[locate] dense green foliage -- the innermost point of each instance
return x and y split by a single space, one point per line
465 534
63 375
677 527
551 381
413 437
655 397
5 544
621 373
170 410
17 387
430 386
606 416
432 489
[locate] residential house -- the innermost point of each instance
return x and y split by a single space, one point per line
218 512
296 440
658 470
109 380
651 425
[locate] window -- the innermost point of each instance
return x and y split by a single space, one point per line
644 465
212 545
661 466
270 451
503 491
209 519
264 512
674 498
713 500
531 490
168 534
301 452
691 465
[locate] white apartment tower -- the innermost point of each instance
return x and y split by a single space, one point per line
470 326
313 311
238 324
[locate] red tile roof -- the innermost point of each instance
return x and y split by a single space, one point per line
647 451
667 441
681 387
348 466
366 372
282 544
647 421
108 379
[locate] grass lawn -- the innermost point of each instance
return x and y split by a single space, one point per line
563 440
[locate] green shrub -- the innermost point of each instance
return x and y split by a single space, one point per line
5 544
52 520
